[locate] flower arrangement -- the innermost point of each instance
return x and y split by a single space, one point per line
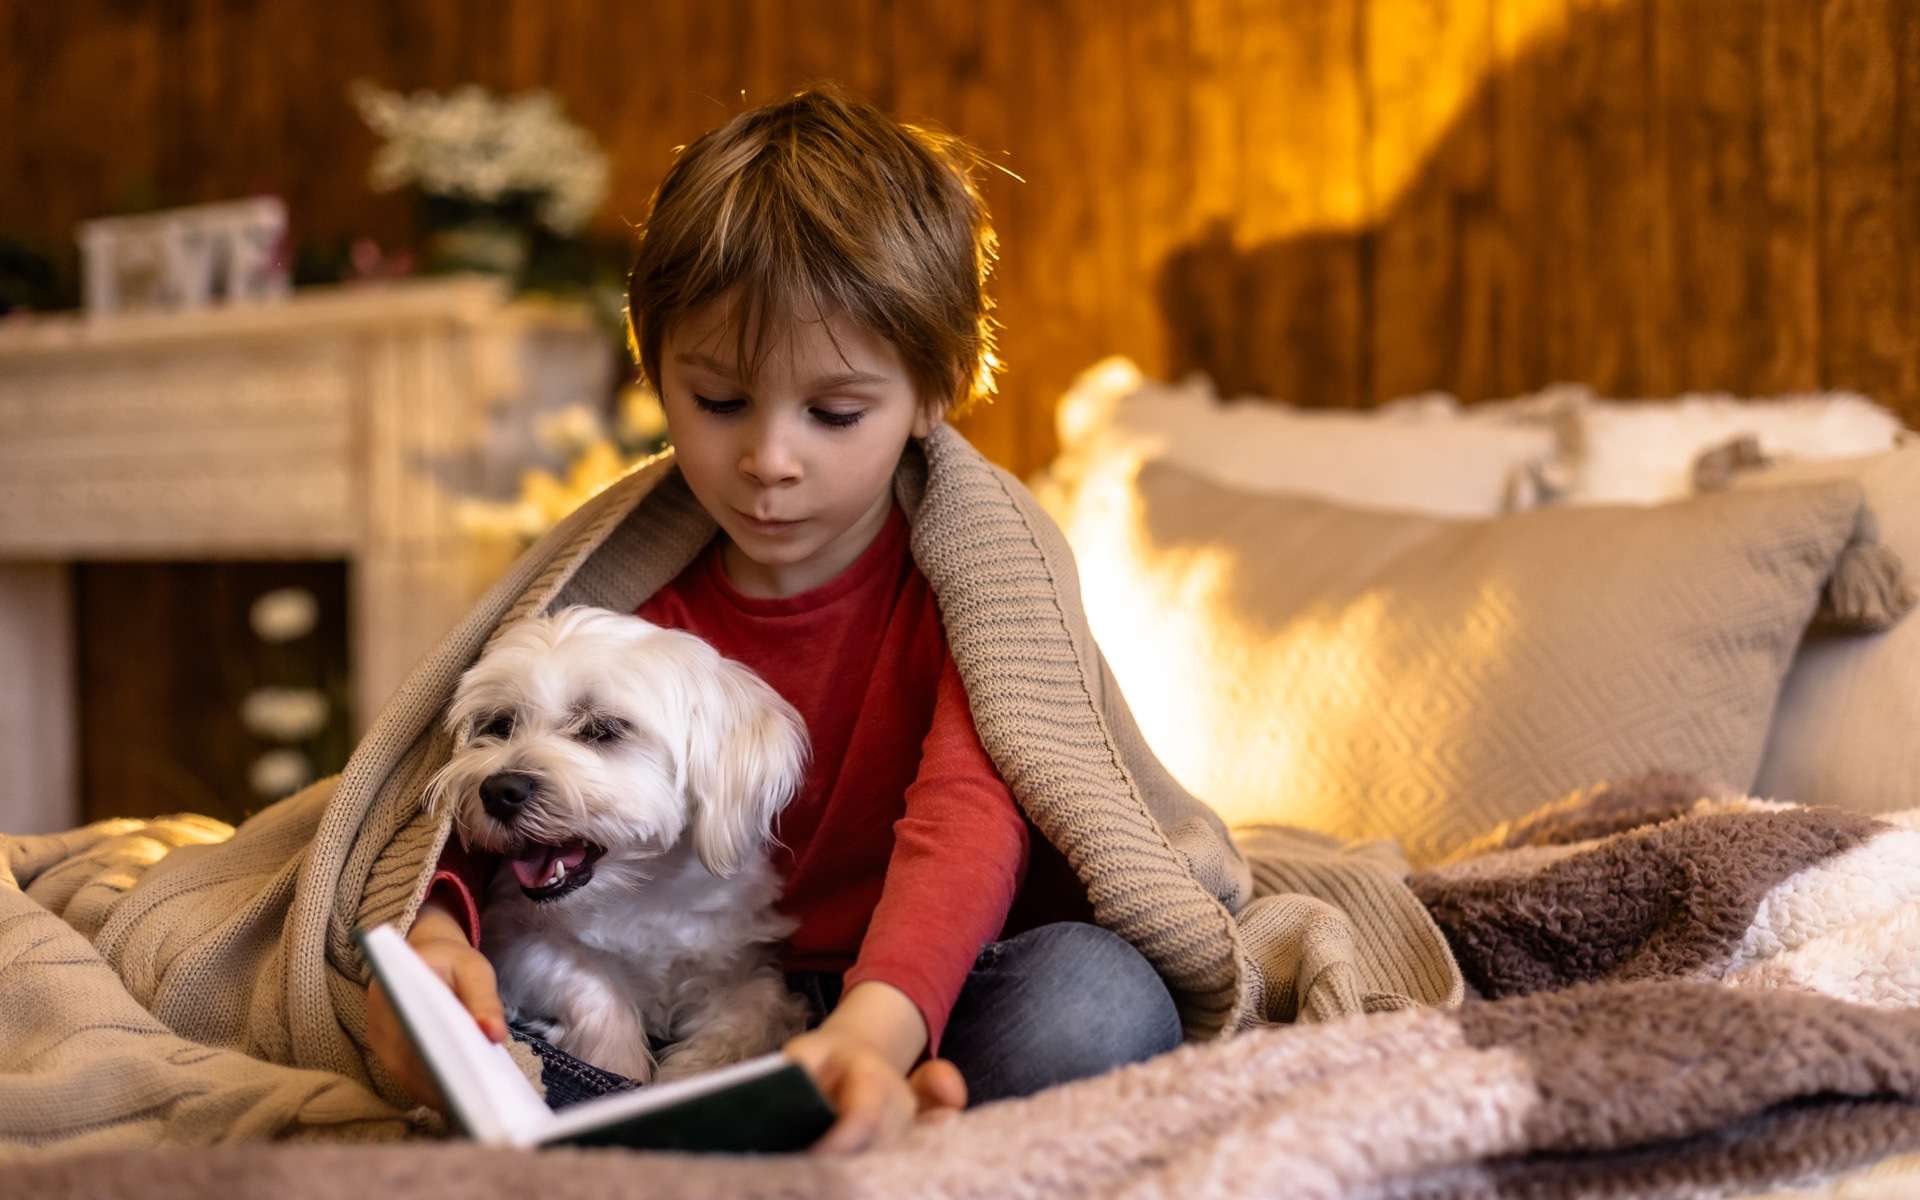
467 147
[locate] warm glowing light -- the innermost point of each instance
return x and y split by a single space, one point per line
1088 406
1259 714
1324 150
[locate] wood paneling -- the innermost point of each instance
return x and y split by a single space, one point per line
1330 202
1430 273
1735 146
1867 195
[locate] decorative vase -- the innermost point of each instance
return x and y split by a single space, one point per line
469 235
491 246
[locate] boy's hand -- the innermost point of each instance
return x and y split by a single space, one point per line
876 1105
854 1056
440 942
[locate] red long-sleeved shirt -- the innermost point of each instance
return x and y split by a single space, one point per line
903 850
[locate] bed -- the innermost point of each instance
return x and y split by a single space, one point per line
1262 555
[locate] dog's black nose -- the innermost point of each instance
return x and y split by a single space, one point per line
502 795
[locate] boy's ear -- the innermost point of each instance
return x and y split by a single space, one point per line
926 420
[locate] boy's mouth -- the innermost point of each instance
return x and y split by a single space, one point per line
550 872
766 526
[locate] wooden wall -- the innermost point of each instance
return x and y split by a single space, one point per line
1329 201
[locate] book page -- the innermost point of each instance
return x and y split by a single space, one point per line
491 1099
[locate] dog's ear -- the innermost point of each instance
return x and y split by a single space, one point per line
746 756
458 725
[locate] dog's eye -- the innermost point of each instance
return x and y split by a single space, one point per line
499 725
597 730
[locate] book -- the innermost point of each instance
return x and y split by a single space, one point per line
766 1105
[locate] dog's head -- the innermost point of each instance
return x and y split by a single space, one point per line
588 732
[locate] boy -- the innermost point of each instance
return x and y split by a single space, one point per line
809 295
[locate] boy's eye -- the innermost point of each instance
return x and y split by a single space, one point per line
499 725
718 408
838 420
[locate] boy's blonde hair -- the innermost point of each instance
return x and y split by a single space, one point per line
822 203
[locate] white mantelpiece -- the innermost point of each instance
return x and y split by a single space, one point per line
338 423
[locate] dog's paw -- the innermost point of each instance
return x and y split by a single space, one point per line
708 1051
681 1065
625 1057
638 1067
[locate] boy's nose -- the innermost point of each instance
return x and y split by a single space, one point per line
768 463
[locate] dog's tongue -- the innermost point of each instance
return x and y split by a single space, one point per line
534 865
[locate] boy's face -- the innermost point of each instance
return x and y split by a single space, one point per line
797 466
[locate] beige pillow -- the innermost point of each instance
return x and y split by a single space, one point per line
1848 727
1113 418
1642 451
1375 674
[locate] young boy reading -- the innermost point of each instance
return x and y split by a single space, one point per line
809 295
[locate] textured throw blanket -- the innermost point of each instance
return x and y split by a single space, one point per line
1729 1008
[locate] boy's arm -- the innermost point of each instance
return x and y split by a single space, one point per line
958 855
960 851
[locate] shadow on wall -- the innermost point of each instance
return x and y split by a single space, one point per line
1654 201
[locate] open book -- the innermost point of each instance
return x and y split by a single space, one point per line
764 1105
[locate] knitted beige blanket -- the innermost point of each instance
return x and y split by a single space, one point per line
174 982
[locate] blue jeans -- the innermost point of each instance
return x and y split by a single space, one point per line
1051 1005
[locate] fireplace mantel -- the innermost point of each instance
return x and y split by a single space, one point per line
337 423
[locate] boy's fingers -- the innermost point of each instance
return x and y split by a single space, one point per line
850 1132
861 1108
473 982
825 1069
937 1085
899 1120
895 1116
804 1053
397 1053
421 1087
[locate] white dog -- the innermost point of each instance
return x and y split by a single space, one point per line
628 776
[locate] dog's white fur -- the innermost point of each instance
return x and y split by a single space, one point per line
646 742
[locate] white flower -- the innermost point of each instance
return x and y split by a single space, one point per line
284 614
284 714
471 146
279 772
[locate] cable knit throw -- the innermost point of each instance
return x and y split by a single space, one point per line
171 981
